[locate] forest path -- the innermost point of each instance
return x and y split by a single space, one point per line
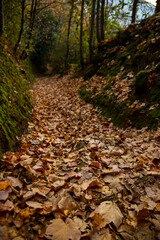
75 166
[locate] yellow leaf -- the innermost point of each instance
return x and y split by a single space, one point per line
26 212
158 207
4 184
143 159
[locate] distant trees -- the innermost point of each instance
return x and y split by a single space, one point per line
69 29
78 26
33 11
92 29
157 6
98 21
134 10
81 33
21 27
102 19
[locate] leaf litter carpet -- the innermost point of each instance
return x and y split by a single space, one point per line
76 176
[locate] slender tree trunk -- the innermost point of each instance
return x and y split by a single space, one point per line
68 33
31 26
134 11
1 17
98 30
22 26
81 34
92 29
157 6
102 20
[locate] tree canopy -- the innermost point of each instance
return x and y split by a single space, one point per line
62 32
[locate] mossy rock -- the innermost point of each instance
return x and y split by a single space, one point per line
15 102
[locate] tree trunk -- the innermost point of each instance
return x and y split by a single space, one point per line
157 10
92 29
81 34
68 33
22 26
134 11
102 20
1 17
31 26
98 30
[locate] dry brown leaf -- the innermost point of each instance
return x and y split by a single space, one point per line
4 194
73 174
67 203
47 208
60 230
72 164
58 184
7 206
35 205
110 212
4 233
94 182
104 234
18 221
38 167
95 164
81 224
15 182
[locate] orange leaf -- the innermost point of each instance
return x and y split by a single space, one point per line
158 207
4 184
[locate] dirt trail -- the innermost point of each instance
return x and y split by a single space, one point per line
75 167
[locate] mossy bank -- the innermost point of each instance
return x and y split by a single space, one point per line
130 68
15 101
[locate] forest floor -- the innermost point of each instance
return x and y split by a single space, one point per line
77 176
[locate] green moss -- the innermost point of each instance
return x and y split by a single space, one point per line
108 86
89 72
141 82
120 114
155 113
132 55
155 94
15 103
27 70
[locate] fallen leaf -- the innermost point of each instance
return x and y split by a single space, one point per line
4 194
15 182
58 184
80 223
72 164
4 233
7 206
104 234
4 184
73 174
25 213
34 205
95 164
67 203
109 212
158 207
60 230
91 183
